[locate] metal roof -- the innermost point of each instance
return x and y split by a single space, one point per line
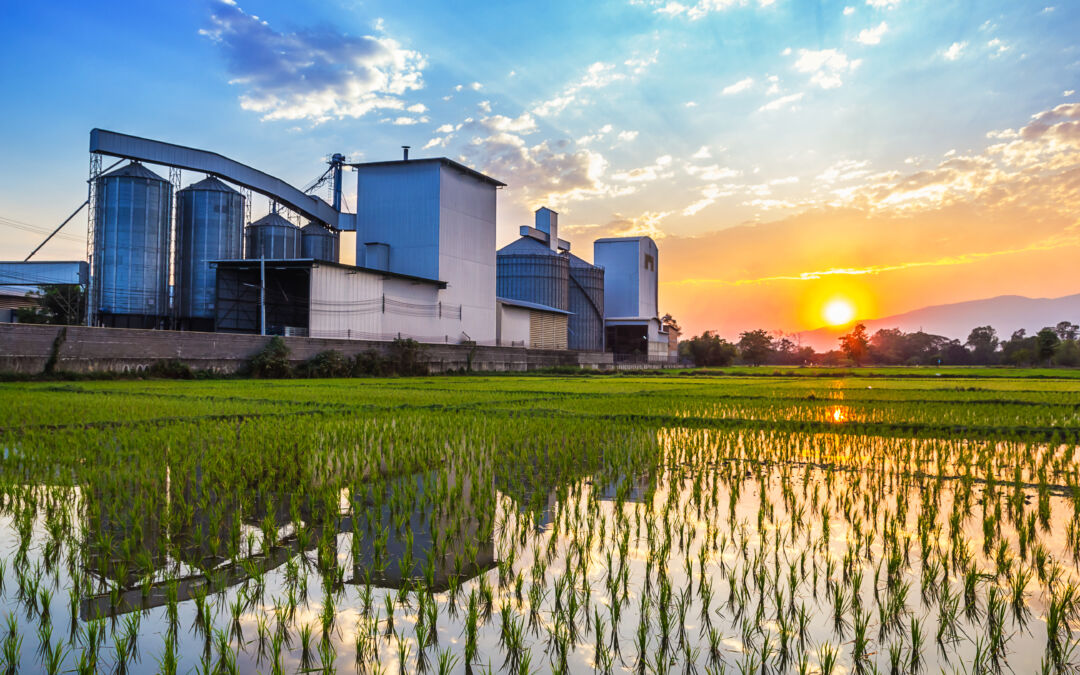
301 263
135 170
526 246
274 220
531 305
212 184
613 239
445 161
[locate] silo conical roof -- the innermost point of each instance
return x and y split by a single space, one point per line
135 170
272 219
211 183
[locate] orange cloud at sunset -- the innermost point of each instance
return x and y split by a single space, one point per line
1005 220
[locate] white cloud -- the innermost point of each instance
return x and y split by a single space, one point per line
702 153
699 9
740 86
883 4
1068 92
713 172
872 36
998 46
709 195
954 51
417 108
782 102
849 10
774 85
597 76
825 66
627 136
690 104
313 74
661 168
485 106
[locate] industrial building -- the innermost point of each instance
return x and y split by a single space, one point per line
611 304
168 256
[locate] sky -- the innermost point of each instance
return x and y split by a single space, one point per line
782 153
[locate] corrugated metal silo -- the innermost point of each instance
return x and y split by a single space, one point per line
210 226
318 242
527 270
274 238
131 247
585 324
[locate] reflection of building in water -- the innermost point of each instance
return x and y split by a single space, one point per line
632 489
452 542
442 545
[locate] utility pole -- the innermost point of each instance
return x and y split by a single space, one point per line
262 296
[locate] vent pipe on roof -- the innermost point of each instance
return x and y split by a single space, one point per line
405 153
548 221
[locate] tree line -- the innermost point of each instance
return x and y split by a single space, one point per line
1052 346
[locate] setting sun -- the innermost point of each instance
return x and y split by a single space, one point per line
838 312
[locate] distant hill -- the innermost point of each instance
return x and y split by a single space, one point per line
1006 313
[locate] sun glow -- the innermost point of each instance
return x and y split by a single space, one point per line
838 312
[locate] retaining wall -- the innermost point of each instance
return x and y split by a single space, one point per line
26 348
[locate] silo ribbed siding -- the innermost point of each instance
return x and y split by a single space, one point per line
273 238
131 243
318 243
210 226
542 279
586 322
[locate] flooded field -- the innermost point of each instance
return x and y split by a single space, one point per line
541 524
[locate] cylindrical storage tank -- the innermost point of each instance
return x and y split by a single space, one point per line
585 325
543 279
131 248
274 238
209 226
318 242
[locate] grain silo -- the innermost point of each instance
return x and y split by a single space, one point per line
318 242
130 264
272 237
586 322
210 226
528 270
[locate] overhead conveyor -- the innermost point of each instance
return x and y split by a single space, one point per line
192 159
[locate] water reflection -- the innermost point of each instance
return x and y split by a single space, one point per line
140 563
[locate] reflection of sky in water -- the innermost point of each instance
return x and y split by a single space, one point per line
723 540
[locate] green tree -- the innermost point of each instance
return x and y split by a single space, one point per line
1046 341
60 304
708 349
755 346
983 343
856 344
1066 330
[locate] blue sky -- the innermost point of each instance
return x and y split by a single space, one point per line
719 127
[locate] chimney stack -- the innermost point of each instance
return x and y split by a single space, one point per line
405 153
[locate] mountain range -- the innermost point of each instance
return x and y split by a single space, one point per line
1006 313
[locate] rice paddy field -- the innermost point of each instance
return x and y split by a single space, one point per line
652 524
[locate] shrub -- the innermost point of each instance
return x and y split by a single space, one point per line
272 361
407 357
173 369
369 363
329 363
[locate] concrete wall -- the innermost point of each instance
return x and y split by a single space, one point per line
512 325
630 286
25 348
